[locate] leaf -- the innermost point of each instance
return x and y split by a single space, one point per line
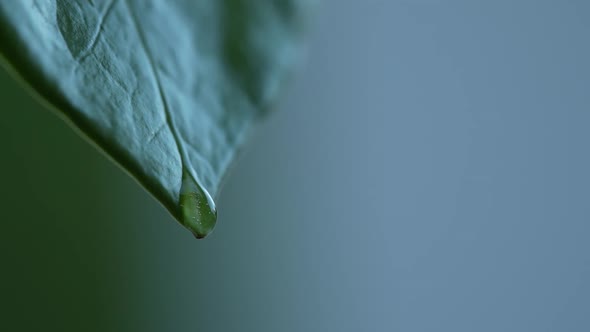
168 89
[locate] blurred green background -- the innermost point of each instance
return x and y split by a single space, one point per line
84 248
426 171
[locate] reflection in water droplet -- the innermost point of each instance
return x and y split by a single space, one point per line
197 207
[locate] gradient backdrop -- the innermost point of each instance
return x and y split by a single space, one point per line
428 170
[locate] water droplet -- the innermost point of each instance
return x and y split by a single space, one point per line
197 207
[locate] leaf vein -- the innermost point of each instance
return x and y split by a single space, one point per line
94 40
156 76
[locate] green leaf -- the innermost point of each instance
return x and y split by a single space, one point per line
168 89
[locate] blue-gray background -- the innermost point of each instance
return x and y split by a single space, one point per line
427 170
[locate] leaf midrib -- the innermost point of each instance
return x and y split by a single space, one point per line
156 75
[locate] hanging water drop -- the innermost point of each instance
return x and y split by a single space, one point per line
197 207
